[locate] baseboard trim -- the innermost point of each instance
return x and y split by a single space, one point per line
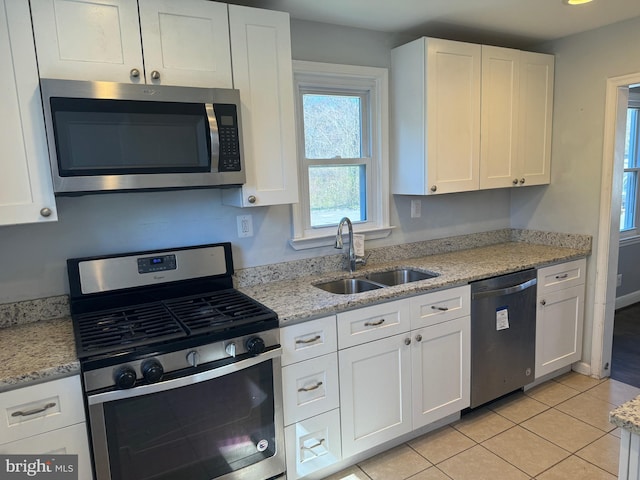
582 367
628 299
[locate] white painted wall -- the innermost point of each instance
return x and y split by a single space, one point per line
32 257
571 203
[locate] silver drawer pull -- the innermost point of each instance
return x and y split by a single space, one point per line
20 413
561 277
374 324
311 340
310 389
315 445
442 309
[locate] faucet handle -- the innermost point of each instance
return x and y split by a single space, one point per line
363 260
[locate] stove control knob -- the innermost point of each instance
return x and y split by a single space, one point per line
125 377
230 348
255 345
152 371
193 357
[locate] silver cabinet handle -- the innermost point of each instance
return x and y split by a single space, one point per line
46 212
317 444
374 324
407 341
515 181
418 338
562 277
20 413
251 199
543 302
310 340
434 188
522 181
135 73
155 75
442 309
310 389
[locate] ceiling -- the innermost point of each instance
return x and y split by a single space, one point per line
515 23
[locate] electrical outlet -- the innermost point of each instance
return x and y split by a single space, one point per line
416 207
245 226
619 280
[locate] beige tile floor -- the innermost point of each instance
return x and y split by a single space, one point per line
556 431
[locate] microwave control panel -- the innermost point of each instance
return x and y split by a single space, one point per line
229 137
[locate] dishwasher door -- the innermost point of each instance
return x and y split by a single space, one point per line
503 335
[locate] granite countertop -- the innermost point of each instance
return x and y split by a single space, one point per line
627 416
298 300
45 349
37 351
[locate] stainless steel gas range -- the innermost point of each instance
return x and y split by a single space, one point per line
181 371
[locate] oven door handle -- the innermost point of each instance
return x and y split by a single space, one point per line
183 381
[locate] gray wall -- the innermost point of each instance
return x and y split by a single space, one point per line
571 203
32 257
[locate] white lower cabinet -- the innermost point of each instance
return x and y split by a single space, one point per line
375 393
440 369
46 418
559 316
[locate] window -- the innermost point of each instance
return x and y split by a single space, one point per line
342 151
630 211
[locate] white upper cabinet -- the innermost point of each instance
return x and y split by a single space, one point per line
262 71
184 43
517 96
469 117
436 117
26 192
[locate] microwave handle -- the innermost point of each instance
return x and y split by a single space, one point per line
213 132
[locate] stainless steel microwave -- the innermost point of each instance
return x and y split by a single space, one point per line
110 137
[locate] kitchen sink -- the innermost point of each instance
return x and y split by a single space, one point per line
348 285
399 276
374 280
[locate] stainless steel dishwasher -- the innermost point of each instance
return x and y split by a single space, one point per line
503 335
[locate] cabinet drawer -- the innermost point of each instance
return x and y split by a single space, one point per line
310 388
313 444
563 275
441 306
308 340
372 323
64 441
35 409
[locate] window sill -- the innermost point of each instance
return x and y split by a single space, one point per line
631 240
328 240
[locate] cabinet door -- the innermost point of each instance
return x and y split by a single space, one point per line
499 128
440 363
88 39
534 123
375 393
26 192
186 43
68 440
453 116
262 71
559 324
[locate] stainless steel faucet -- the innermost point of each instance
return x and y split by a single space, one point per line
353 260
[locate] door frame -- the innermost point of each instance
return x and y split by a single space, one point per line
608 244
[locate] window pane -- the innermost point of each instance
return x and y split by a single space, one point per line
631 159
336 192
629 193
332 126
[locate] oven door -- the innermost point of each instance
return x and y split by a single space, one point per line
223 423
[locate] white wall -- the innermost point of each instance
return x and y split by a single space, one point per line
571 203
32 257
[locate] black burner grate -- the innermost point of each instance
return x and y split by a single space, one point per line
218 311
122 329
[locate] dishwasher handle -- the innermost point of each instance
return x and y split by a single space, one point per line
505 291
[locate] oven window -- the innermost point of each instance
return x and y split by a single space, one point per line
198 432
117 137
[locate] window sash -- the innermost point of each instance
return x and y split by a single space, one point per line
630 212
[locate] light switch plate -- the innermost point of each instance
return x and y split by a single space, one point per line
416 208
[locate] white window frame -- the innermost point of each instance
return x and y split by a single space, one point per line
357 79
631 236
